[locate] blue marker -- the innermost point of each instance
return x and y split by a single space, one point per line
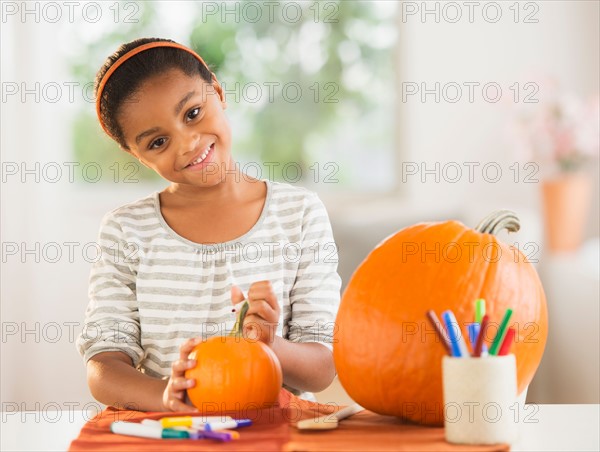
457 341
473 333
474 329
234 423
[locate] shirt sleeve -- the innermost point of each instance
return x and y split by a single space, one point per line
112 316
315 294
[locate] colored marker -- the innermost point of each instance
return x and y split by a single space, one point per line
234 434
221 436
457 341
152 422
196 434
507 342
501 332
439 331
238 306
479 310
473 330
146 431
212 426
191 421
480 338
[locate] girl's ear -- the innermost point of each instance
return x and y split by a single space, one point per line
219 90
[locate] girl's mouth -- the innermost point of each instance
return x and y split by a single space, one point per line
203 159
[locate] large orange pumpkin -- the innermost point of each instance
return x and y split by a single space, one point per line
233 374
387 357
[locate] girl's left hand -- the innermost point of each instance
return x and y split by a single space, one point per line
263 313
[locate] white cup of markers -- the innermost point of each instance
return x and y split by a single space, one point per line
218 428
479 387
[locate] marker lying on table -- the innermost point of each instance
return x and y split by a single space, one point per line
146 431
235 423
221 435
191 421
151 422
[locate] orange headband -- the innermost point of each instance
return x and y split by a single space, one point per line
132 52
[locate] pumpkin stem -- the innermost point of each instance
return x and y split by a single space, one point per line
237 329
498 220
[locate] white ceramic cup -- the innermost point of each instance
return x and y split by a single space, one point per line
480 399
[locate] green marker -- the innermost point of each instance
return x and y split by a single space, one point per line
479 310
501 332
146 431
241 308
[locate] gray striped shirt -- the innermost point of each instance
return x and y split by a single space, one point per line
151 289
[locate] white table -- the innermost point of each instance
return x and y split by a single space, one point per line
551 428
572 284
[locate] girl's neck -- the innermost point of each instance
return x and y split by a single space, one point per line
232 188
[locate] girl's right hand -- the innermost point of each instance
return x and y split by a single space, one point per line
175 393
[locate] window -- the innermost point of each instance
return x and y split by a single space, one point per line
309 85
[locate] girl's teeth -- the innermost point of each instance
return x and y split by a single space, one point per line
202 157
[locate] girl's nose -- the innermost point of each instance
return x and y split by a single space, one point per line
189 144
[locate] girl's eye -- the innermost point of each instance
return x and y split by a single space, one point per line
193 113
157 143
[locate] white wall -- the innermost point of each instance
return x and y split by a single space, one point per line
564 44
43 302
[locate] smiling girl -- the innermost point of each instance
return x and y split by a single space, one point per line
174 262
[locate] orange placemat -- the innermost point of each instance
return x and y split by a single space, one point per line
270 431
368 431
273 430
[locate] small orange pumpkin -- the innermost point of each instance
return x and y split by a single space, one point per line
385 352
233 373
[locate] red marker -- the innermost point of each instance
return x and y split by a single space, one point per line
507 343
482 331
439 331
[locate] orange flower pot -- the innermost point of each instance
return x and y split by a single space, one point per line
566 203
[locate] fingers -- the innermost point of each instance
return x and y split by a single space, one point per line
236 295
182 383
263 290
176 392
256 328
175 395
177 405
187 347
263 309
181 365
263 313
261 321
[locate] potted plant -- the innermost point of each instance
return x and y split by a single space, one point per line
561 133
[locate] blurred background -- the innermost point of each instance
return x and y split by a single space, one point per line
393 112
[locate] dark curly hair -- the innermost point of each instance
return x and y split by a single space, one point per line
135 71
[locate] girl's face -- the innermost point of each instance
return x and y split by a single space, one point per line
175 124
